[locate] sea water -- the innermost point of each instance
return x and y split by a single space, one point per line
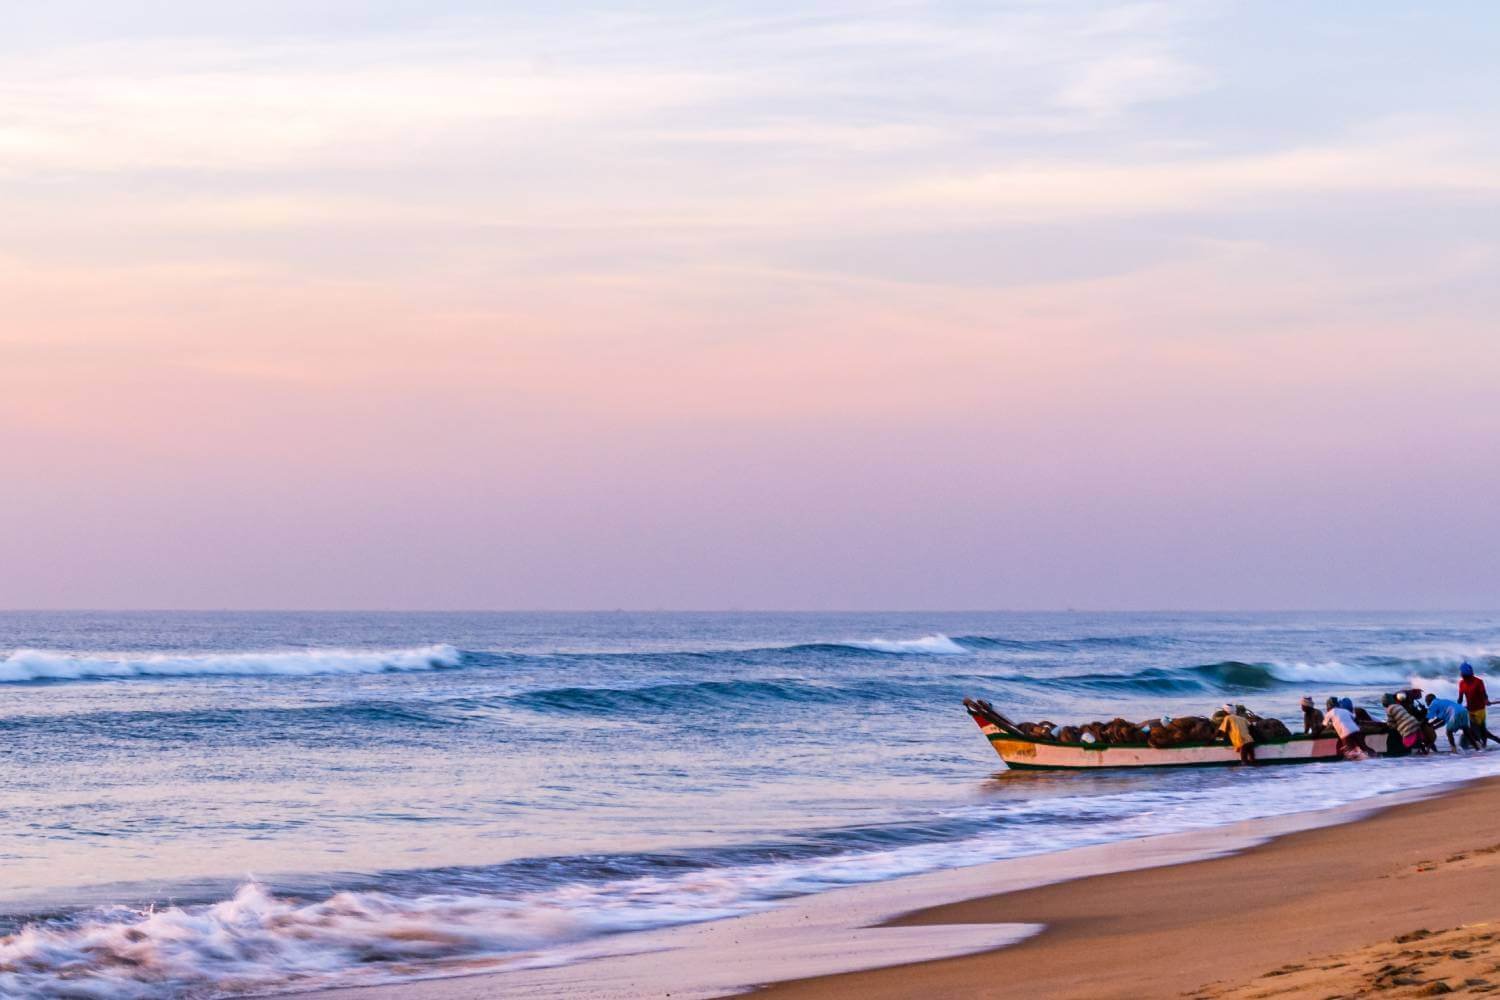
199 805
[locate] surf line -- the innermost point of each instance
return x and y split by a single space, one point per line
849 929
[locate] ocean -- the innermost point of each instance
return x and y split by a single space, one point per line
203 805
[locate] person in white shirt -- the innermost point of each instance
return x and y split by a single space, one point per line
1342 722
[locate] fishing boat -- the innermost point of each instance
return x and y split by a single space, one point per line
1025 752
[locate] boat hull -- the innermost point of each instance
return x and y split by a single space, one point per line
1024 754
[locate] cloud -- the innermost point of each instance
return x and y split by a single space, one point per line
1114 84
860 82
653 148
177 106
1041 190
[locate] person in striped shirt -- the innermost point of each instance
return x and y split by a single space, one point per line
1405 724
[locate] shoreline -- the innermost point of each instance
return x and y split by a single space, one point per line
1317 905
941 933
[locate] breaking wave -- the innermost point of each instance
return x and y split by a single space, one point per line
256 941
939 644
23 665
1236 675
45 665
932 645
809 674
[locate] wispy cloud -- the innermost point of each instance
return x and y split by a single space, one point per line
176 106
1117 83
1422 161
864 82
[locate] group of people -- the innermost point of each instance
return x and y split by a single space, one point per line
1412 721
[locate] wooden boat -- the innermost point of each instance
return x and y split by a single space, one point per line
1024 752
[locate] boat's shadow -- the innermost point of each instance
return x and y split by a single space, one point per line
1008 782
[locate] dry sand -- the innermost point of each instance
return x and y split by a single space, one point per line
1464 961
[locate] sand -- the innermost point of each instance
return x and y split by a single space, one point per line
1422 963
1204 914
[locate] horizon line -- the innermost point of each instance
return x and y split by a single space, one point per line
753 611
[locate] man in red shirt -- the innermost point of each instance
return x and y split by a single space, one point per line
1476 700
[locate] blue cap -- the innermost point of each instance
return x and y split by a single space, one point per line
1346 704
1466 670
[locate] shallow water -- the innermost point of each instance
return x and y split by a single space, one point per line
210 804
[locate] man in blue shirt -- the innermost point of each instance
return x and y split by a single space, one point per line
1453 716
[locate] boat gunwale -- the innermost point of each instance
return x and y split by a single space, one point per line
1097 747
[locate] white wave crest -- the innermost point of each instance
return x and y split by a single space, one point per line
257 942
937 645
1435 672
41 664
1443 687
1334 672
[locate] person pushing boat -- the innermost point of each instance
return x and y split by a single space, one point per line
1477 701
1411 700
1341 720
1236 725
1406 725
1454 718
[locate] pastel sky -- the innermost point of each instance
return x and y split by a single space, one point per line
456 304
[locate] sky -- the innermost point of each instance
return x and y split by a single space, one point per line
816 305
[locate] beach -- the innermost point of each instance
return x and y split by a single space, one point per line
605 805
1304 914
1391 898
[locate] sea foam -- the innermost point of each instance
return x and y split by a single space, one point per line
257 941
45 665
938 644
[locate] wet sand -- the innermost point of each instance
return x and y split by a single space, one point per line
1339 911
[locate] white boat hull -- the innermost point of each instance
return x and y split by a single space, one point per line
1023 754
